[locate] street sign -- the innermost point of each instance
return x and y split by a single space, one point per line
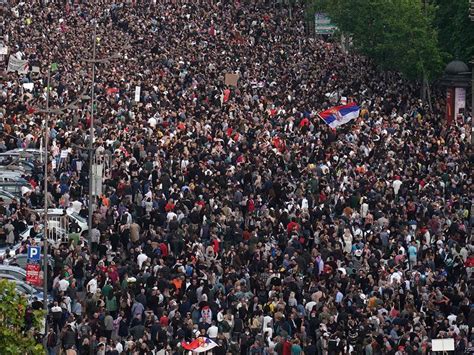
34 253
323 25
33 274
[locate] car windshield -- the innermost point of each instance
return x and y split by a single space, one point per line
78 217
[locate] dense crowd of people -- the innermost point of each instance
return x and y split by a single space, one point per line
233 211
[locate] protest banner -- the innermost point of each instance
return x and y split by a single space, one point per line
17 65
231 79
137 93
28 86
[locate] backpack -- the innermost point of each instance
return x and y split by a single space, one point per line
224 326
52 340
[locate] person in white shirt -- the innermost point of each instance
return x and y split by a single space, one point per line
212 331
364 209
141 258
92 286
396 277
119 347
267 326
452 318
152 122
396 186
63 284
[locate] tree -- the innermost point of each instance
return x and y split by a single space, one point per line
14 339
455 29
397 34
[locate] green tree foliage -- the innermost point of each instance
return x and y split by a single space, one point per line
13 338
455 29
396 34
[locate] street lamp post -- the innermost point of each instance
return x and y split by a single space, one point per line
48 111
45 230
91 142
94 61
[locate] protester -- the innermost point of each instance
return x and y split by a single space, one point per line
234 212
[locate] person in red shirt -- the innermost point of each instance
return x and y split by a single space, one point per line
215 244
304 122
293 226
164 249
170 205
287 347
113 273
250 205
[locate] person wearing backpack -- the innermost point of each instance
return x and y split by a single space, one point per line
51 341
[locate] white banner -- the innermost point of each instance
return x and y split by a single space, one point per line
459 101
97 176
18 65
138 89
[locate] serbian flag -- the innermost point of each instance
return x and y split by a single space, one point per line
339 115
199 345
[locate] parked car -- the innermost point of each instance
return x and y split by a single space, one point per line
13 271
16 188
56 235
29 291
6 197
20 260
8 175
59 231
73 223
8 277
28 153
18 164
9 249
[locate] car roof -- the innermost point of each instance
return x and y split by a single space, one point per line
20 282
5 170
6 194
7 276
21 182
12 268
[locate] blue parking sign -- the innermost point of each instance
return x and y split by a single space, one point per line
34 253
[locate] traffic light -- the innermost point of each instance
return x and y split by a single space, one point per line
471 10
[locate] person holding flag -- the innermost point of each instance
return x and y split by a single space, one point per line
339 115
199 345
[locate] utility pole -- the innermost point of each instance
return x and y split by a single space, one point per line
94 61
45 230
48 111
91 141
471 16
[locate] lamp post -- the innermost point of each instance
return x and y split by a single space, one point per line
48 111
472 105
94 61
45 231
91 141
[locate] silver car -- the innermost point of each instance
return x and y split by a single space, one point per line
12 271
29 291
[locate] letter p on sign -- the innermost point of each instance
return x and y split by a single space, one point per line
34 253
